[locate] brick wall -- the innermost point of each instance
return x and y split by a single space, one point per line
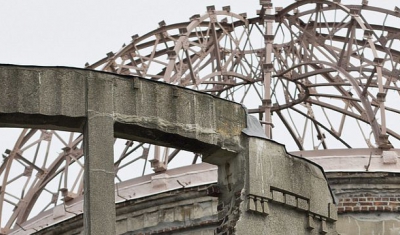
367 202
361 192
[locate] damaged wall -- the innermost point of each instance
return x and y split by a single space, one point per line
267 191
368 202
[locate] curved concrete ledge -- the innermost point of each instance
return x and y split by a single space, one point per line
159 113
355 160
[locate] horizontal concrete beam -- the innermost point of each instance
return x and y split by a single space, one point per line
144 110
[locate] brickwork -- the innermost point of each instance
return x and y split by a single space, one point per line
362 192
367 202
229 214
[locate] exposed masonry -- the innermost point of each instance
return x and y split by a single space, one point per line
229 213
366 191
367 202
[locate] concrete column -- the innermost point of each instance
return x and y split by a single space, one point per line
99 195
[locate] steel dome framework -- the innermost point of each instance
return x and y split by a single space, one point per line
320 75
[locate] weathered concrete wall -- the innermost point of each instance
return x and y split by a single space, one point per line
368 202
141 109
187 211
267 191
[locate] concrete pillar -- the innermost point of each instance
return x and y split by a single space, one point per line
99 195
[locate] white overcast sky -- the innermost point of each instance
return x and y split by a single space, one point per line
73 32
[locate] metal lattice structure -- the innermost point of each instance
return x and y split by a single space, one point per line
319 75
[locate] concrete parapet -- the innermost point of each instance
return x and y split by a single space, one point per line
283 178
280 194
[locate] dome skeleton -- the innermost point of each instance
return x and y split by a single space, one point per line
305 68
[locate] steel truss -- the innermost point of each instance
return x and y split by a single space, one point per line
320 75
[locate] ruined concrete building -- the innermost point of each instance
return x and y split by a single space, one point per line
284 123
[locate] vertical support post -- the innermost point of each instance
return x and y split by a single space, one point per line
268 66
99 194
